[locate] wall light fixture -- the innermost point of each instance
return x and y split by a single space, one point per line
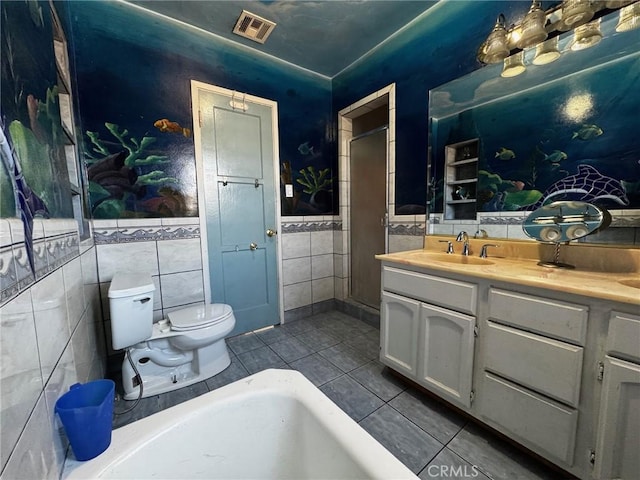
541 29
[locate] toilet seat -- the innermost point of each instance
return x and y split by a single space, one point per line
199 316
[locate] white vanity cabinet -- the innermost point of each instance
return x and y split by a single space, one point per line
617 451
532 359
427 331
556 372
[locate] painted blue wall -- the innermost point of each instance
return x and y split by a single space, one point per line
136 68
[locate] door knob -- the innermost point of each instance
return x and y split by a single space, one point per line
253 246
271 232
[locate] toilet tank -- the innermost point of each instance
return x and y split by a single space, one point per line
131 307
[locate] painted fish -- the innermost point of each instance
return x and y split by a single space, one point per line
505 154
589 184
517 186
587 132
165 125
305 149
555 157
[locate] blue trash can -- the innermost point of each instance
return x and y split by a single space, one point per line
86 412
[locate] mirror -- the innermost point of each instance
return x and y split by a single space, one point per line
560 222
565 131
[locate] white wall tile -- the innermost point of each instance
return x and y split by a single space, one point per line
74 290
297 295
322 289
337 265
21 379
296 270
321 242
89 267
50 313
296 245
322 266
181 288
179 255
82 355
133 257
61 380
34 457
401 243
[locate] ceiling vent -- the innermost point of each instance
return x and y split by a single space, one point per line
253 27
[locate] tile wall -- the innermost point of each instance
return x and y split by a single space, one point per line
51 336
310 268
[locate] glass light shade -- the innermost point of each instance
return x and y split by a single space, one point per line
533 31
629 18
513 65
546 52
577 12
586 36
495 48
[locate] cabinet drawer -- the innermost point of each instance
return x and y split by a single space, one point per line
548 366
530 418
566 321
459 296
623 339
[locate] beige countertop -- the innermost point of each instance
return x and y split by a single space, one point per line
601 272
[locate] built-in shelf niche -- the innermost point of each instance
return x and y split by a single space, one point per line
461 160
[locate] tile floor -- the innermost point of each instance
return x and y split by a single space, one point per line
338 353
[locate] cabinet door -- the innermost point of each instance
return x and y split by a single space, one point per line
399 333
446 360
618 441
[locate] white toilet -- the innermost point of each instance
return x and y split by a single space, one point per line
183 349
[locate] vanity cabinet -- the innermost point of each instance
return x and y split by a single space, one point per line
617 451
556 372
427 331
533 356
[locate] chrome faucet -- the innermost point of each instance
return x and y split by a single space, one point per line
463 237
483 250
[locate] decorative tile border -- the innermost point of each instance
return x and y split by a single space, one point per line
411 229
111 231
299 227
55 242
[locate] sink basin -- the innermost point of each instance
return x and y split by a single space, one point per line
632 282
454 258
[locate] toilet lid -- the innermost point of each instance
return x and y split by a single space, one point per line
199 316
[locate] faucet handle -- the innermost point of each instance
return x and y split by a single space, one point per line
483 250
449 245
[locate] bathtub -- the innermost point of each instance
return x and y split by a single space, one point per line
272 425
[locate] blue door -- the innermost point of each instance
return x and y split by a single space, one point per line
237 151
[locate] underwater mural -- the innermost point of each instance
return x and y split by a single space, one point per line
127 177
134 76
33 177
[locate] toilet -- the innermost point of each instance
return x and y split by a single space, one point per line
185 348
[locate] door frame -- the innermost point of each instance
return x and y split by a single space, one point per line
386 95
234 95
